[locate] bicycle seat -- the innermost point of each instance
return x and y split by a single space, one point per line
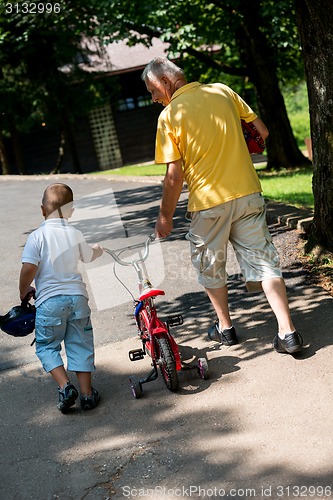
151 292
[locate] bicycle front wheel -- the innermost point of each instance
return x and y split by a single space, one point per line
167 364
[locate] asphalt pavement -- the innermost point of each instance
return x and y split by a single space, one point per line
260 426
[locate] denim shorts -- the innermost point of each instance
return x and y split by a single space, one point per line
242 222
65 318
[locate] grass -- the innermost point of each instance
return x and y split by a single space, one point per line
293 187
135 170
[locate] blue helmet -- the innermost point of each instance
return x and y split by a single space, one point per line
19 321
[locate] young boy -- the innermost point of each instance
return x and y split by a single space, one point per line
50 257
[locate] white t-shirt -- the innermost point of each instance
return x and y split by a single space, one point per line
56 248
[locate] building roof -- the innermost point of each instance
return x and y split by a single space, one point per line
118 57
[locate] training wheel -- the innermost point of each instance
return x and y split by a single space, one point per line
136 387
203 368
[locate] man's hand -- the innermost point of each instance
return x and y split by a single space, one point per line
163 226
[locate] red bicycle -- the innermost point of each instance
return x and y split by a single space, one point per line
157 341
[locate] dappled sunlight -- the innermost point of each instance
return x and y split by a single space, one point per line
217 432
95 447
261 419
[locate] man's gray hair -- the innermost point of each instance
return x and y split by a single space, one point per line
162 66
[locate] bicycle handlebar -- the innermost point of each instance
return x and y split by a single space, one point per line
115 254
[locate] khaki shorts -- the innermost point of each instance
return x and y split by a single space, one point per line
243 223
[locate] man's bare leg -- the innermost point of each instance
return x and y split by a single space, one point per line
219 300
287 340
276 294
222 332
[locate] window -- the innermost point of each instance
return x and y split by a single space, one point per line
134 102
144 101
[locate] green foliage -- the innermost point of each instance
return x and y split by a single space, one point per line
250 46
40 76
212 29
34 47
40 55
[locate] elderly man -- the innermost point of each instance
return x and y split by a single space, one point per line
199 137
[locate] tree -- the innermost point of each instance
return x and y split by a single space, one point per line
257 43
262 66
14 105
315 21
257 40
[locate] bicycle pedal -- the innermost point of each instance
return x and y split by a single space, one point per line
175 320
136 354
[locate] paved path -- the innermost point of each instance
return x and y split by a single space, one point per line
260 427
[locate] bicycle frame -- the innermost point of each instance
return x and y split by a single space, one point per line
146 317
149 325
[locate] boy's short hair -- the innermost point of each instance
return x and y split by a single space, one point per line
58 198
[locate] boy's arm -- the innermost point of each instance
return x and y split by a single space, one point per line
97 251
27 275
89 253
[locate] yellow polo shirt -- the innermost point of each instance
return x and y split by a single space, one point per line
201 125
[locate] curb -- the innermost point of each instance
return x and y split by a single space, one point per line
149 179
289 216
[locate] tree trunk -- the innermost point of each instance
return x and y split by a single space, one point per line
315 21
71 143
281 146
16 146
282 149
3 158
61 153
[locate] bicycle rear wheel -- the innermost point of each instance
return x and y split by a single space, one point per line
167 364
